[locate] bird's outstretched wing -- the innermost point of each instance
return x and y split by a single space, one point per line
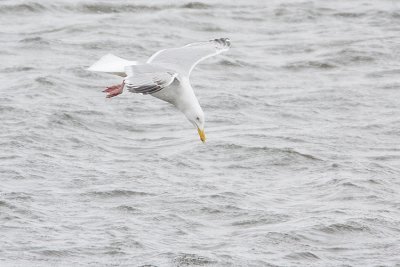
147 78
149 83
185 58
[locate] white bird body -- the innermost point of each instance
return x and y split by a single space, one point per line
165 76
176 93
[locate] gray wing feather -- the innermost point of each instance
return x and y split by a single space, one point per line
185 58
149 83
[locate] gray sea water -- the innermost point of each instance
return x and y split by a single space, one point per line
302 162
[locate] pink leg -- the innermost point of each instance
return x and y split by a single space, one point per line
114 90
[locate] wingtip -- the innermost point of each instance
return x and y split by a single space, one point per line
222 42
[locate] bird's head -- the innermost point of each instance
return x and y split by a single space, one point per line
196 117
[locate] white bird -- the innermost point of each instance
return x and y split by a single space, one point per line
165 75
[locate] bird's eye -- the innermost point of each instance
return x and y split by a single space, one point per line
197 118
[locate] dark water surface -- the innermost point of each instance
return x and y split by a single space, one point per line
302 162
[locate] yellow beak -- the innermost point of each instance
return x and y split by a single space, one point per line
202 135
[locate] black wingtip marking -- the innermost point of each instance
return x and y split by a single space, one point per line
222 42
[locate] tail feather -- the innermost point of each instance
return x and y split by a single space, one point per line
111 64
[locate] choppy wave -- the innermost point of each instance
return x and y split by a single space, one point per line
105 8
118 193
192 259
301 161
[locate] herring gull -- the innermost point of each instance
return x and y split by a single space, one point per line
165 76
